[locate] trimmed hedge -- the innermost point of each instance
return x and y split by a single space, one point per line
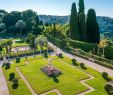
82 45
108 65
27 53
109 53
57 42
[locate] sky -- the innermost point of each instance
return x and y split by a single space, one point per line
57 7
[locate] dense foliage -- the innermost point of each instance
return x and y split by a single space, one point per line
74 31
92 27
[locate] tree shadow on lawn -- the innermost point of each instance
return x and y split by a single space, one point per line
55 79
107 79
84 68
15 86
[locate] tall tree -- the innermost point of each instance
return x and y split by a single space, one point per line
74 31
92 27
81 6
82 27
82 22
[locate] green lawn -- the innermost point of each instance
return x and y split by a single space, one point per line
22 88
98 82
67 83
19 44
52 93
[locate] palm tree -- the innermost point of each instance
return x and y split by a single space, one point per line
21 25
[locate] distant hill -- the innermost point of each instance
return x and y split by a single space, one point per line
105 23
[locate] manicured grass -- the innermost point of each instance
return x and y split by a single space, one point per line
98 82
19 44
22 88
52 93
67 83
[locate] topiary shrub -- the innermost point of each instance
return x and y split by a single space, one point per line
7 65
11 76
82 65
74 61
15 84
45 54
105 74
60 55
109 89
17 59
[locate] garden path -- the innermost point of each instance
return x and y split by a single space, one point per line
3 84
88 63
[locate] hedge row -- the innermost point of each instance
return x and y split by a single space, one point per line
57 42
27 53
109 53
104 62
82 45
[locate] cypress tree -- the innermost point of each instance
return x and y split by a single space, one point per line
82 22
81 6
82 27
92 27
74 31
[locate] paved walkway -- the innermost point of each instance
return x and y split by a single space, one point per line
26 82
3 84
90 64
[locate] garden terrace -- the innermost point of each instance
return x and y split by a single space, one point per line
72 77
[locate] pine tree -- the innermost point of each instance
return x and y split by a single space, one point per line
92 27
74 31
82 27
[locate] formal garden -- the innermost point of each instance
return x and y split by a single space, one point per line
39 56
46 73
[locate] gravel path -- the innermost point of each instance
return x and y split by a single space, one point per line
3 84
88 63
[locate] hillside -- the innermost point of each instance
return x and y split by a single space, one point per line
105 23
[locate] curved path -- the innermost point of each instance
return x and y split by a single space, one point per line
88 63
3 84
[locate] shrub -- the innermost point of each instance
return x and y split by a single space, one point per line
15 83
7 65
11 76
109 89
17 59
105 74
109 53
74 61
45 54
82 65
60 55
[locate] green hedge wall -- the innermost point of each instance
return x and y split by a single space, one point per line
57 42
82 45
109 53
